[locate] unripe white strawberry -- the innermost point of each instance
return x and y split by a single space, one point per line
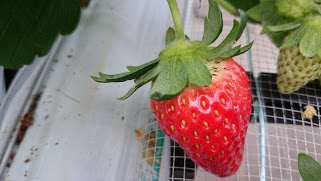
296 70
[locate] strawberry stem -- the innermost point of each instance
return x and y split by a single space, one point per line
177 19
227 6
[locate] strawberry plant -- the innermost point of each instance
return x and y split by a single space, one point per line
294 26
200 96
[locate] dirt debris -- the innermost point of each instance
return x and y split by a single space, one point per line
139 133
149 142
27 119
309 112
27 160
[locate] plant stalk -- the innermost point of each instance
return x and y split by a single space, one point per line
177 19
227 6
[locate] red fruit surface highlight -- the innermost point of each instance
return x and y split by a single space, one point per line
210 123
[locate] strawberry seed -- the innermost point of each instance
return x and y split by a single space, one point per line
173 128
226 120
205 124
207 138
203 103
183 122
216 112
225 138
195 133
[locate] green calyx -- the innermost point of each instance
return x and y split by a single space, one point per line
314 22
282 11
306 34
294 9
182 62
179 48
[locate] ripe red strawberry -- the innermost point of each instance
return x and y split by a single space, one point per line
210 123
200 97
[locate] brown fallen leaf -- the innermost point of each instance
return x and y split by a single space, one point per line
148 155
139 133
150 135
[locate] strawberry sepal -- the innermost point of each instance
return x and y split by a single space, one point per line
213 24
134 73
306 34
182 62
272 13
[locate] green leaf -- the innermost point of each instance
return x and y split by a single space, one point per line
212 24
170 82
243 21
294 38
309 169
131 91
317 1
243 4
285 27
237 51
244 49
83 3
170 36
197 72
142 81
135 68
121 77
262 11
187 38
98 79
278 38
149 75
227 42
275 20
231 52
310 43
30 27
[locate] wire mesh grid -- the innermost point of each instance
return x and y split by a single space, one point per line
277 131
